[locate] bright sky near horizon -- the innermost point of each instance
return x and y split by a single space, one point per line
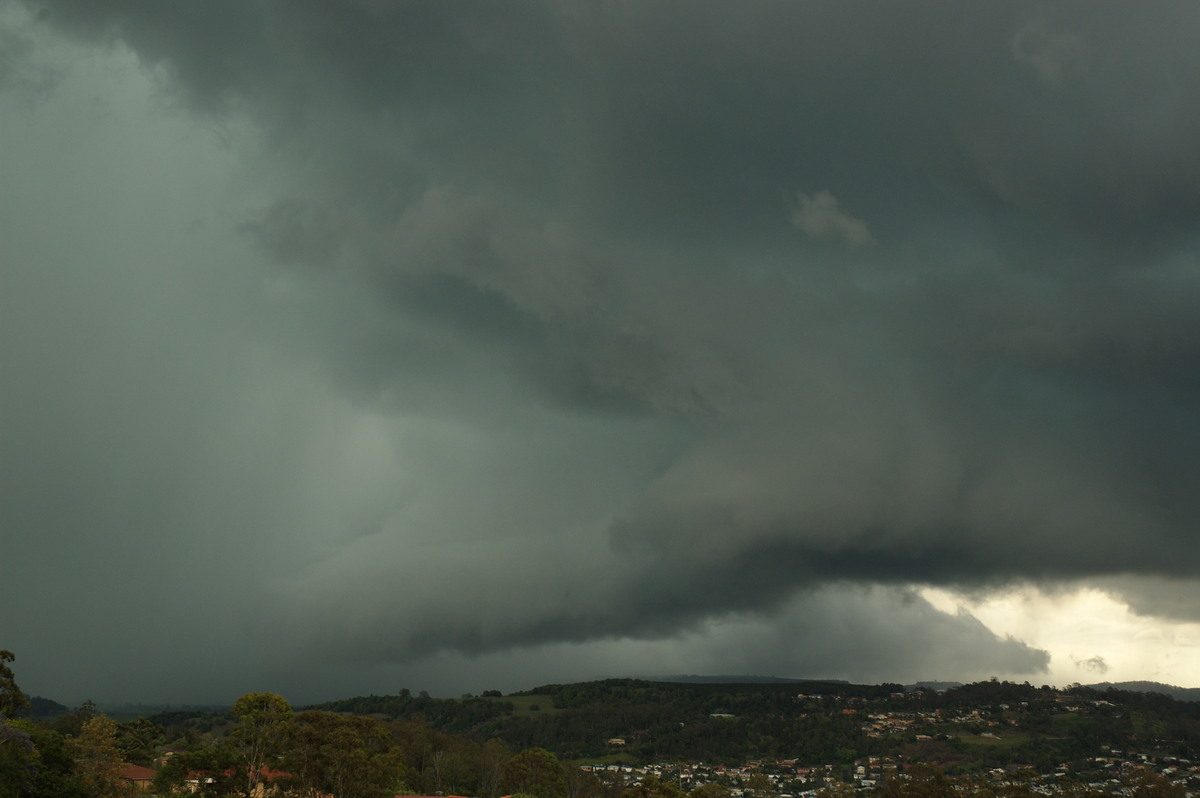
479 345
1091 635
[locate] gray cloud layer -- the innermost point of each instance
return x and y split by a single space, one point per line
392 328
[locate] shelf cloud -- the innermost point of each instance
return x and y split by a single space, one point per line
380 333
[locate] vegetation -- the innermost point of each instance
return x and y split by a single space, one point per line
797 737
12 700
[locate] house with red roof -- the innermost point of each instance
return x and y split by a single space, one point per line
141 778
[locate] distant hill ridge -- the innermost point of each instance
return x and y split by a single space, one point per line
47 708
1178 693
697 679
700 679
938 686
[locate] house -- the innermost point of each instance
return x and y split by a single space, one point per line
141 778
195 780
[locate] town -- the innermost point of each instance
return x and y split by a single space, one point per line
924 735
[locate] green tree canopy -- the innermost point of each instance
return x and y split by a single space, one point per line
344 756
653 787
214 769
12 701
140 741
759 786
535 771
18 760
262 728
710 790
97 758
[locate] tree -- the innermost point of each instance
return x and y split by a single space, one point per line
454 763
55 765
535 771
759 786
71 723
97 758
262 728
492 757
18 754
583 784
344 756
214 768
710 790
12 701
653 787
18 760
139 741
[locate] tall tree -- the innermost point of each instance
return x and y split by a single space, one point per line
97 758
70 724
18 760
492 757
262 728
12 701
55 765
140 741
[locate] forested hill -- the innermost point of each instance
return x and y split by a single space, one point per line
1181 693
694 679
717 721
702 696
638 721
970 728
455 716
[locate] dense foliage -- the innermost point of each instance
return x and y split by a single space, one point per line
942 743
457 716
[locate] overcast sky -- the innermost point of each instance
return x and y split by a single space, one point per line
352 345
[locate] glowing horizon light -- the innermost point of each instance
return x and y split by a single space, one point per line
1091 635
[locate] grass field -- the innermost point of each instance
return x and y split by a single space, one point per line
524 704
1004 741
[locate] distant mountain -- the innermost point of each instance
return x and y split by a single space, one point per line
696 679
938 686
46 708
1178 693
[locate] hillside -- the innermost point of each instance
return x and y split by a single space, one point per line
795 736
1180 693
968 726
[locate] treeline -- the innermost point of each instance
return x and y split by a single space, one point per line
459 716
703 696
813 722
76 756
721 723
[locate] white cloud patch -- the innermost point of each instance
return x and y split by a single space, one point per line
821 216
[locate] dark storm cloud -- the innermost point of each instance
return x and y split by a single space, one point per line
676 311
